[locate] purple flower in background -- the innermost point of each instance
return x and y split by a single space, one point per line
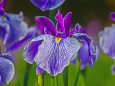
47 4
107 40
31 33
113 69
6 69
56 48
112 16
12 27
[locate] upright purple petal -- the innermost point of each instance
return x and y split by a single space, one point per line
53 57
6 71
76 29
47 4
2 6
44 23
112 16
67 23
60 23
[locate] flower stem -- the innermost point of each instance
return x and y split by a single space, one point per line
41 79
65 76
77 76
28 66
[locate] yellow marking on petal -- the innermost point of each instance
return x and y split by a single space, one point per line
58 39
40 80
4 17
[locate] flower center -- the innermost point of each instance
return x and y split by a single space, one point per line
58 39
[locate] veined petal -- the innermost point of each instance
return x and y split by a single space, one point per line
67 23
45 23
17 29
60 23
91 46
47 4
6 71
6 56
31 48
53 57
106 40
33 32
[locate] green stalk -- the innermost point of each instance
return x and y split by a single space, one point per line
65 76
26 77
77 76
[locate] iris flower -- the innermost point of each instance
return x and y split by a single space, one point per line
54 50
47 4
107 40
12 27
6 69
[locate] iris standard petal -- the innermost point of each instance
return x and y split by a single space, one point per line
60 23
32 32
18 29
106 39
112 16
47 4
44 23
53 57
6 71
91 46
67 23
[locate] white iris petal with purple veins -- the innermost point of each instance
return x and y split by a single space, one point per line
6 69
107 41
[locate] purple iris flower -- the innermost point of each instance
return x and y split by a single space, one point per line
6 69
107 40
54 50
47 4
12 27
